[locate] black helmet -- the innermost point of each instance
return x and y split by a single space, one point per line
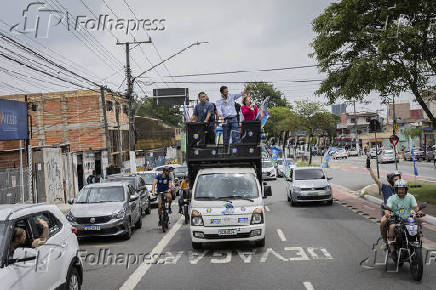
165 169
392 175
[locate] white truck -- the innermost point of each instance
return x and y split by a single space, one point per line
226 203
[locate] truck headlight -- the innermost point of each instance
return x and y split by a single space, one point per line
70 217
196 218
257 216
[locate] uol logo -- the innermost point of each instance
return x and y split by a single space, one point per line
38 19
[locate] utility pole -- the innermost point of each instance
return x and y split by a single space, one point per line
129 96
106 129
394 127
355 128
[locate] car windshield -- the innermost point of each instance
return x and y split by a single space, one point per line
226 185
309 174
267 164
180 169
101 194
148 177
130 181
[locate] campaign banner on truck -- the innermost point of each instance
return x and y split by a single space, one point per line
13 120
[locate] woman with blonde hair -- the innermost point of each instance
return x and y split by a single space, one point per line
248 109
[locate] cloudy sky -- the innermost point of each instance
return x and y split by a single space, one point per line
241 35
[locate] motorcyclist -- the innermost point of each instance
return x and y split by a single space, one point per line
163 182
401 204
386 189
183 185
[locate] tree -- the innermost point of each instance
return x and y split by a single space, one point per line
385 46
170 115
316 120
281 121
260 90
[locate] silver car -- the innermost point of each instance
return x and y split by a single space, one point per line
309 184
387 156
148 177
106 209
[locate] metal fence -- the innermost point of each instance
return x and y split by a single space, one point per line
10 185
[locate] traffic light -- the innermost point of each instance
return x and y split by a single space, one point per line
374 126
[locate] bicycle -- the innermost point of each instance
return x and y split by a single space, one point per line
164 217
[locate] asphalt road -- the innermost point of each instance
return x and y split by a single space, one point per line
308 247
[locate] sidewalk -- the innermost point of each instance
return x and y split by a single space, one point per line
64 207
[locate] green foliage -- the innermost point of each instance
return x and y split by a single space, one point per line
170 115
412 132
369 46
259 91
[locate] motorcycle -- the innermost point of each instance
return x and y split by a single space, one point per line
407 243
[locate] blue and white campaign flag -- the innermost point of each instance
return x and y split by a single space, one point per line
264 118
286 167
262 105
326 159
275 153
412 153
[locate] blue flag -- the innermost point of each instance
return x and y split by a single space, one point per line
326 158
265 118
412 152
275 153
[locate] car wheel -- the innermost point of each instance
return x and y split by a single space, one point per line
148 209
293 203
73 279
260 243
138 224
128 233
330 202
196 246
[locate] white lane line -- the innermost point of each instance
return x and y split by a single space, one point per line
308 285
281 235
266 208
142 269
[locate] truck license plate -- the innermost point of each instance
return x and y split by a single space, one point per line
227 232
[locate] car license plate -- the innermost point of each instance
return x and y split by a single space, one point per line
91 228
227 232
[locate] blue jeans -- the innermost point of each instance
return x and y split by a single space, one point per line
231 127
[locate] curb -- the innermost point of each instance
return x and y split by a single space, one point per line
428 218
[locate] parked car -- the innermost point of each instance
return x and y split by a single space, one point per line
269 171
419 154
387 155
148 177
353 152
309 184
57 260
280 166
138 184
431 152
340 154
106 209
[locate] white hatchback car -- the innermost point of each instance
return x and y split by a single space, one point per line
340 154
52 265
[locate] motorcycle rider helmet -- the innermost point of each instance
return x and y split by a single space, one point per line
401 183
391 176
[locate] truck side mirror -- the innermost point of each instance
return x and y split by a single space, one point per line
267 191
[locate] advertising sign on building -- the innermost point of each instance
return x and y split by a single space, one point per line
13 120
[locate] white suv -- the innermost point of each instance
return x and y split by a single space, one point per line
53 264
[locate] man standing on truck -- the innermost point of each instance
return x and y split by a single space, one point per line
228 115
205 112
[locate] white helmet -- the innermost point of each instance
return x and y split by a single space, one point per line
401 183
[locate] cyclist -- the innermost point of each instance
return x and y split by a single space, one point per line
163 182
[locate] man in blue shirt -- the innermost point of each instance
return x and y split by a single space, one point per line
205 112
163 183
227 113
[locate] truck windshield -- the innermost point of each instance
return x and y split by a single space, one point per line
226 185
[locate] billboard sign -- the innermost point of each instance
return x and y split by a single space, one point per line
13 120
171 96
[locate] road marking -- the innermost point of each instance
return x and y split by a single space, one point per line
266 208
308 285
281 235
142 269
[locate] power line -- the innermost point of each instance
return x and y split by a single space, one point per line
233 82
245 71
